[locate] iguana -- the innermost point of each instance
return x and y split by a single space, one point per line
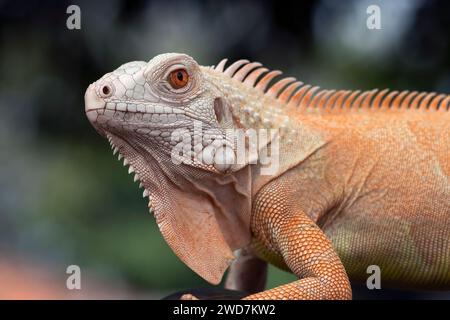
362 177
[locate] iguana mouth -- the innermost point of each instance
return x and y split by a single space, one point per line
141 107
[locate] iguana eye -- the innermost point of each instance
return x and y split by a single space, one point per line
178 78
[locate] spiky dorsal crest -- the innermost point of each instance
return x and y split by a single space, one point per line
296 94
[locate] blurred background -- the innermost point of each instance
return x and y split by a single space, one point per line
65 200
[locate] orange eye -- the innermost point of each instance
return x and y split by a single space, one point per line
178 78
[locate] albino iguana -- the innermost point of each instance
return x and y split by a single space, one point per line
341 180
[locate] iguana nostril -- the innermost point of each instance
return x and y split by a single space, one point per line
106 91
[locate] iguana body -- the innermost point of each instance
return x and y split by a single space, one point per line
363 177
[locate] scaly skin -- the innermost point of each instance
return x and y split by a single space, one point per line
363 177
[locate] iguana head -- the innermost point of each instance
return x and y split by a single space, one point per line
151 113
159 104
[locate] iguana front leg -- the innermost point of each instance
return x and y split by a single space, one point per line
307 252
248 273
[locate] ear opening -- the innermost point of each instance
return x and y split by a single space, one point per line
223 113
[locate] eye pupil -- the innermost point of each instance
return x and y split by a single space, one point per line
178 78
